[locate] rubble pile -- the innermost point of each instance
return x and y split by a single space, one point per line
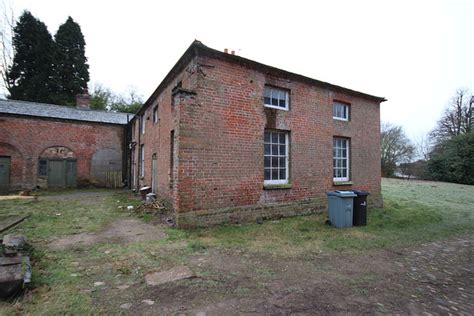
159 208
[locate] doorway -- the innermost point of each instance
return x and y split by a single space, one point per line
4 174
153 173
61 173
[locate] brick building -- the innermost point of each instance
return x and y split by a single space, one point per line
228 139
44 145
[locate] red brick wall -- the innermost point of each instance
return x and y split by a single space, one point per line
156 138
219 141
221 156
26 138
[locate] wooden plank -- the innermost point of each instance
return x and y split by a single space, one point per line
9 222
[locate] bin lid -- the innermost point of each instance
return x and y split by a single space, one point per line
360 192
341 193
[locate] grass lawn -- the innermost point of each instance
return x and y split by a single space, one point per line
63 279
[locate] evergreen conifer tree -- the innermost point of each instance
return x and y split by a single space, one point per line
30 75
72 71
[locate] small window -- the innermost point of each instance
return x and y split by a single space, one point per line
142 160
340 159
142 123
340 111
275 157
43 168
276 98
155 114
172 145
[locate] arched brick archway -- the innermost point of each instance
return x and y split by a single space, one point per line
11 168
57 152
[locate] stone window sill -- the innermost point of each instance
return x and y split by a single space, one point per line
277 186
342 183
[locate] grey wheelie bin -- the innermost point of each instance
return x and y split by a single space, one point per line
340 208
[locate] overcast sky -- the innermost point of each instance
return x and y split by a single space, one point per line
414 53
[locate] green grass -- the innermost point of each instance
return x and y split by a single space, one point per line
414 212
63 281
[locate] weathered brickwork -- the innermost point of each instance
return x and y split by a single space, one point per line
27 139
219 119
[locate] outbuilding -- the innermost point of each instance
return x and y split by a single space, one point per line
52 146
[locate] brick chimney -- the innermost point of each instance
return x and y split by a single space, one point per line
83 101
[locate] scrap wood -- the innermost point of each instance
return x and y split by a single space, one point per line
9 222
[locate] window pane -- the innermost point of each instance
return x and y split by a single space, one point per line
266 100
282 174
282 138
282 103
282 150
274 174
275 138
274 149
275 102
267 174
282 162
267 149
274 162
267 162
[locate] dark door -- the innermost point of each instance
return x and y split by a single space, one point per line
4 174
70 173
57 174
153 173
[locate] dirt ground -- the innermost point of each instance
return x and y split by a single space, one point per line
434 278
120 232
430 278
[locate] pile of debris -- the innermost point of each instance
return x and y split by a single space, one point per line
159 208
15 267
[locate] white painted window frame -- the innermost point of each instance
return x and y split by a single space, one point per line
287 160
347 158
287 99
346 111
142 123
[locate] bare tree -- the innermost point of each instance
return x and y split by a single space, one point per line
423 148
457 118
396 148
7 23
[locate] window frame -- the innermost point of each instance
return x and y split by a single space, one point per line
346 111
155 114
287 158
142 123
347 159
142 160
287 98
45 163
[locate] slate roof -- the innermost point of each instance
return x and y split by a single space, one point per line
62 112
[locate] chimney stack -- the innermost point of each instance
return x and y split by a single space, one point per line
233 52
226 50
83 101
